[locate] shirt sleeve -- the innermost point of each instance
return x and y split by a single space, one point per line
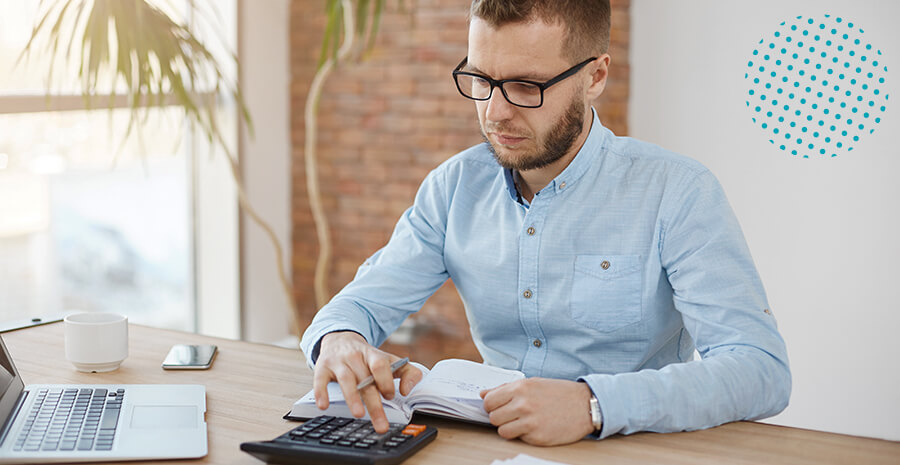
743 373
395 281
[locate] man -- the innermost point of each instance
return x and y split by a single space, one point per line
594 264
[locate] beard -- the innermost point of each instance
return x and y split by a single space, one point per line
557 143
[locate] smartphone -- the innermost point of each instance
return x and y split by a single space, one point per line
189 357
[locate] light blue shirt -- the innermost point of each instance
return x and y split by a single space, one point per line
616 271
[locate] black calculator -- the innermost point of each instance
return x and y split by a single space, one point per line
327 439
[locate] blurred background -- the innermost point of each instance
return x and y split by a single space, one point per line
88 219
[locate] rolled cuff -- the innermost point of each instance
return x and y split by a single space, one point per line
312 339
606 399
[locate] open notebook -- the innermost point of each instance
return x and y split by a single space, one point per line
450 389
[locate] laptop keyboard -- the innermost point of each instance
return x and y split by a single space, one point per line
71 419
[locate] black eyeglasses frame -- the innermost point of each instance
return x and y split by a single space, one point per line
500 82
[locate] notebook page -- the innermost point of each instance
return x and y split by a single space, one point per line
462 380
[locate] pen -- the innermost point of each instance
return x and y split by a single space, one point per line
394 367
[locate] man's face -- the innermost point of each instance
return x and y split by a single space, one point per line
527 138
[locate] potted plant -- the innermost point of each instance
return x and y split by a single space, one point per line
135 45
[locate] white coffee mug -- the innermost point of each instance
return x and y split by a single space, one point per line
96 342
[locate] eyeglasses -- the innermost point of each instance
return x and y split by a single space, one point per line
519 92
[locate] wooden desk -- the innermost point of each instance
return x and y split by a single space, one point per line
251 386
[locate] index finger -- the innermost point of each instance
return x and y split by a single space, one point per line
320 385
372 398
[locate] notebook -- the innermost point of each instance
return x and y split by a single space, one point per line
48 423
450 389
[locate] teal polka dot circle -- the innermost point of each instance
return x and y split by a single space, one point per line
817 86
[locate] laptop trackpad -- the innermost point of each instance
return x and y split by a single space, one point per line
164 416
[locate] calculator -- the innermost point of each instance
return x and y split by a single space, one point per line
328 439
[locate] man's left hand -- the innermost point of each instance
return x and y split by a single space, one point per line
540 411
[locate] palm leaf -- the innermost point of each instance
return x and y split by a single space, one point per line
368 18
376 21
155 57
362 13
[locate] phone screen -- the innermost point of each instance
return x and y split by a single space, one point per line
183 356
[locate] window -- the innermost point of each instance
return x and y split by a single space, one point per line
89 222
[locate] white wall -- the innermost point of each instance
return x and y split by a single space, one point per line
264 55
822 231
215 207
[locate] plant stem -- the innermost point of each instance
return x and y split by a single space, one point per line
320 286
279 254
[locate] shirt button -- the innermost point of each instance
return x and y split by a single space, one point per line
537 343
562 185
604 265
531 231
527 294
768 312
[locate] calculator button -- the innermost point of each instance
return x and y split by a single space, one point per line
341 421
413 430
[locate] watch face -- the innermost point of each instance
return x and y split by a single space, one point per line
596 415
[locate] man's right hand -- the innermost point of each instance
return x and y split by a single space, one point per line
347 358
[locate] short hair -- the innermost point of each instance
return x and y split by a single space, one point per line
587 22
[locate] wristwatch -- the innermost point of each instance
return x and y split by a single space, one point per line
596 415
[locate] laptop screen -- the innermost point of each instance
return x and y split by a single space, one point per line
11 386
6 370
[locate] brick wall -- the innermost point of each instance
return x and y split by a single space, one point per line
383 125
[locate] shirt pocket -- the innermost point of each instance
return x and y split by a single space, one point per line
606 291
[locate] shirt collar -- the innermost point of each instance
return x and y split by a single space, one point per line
596 141
511 185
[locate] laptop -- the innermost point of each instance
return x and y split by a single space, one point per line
48 423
